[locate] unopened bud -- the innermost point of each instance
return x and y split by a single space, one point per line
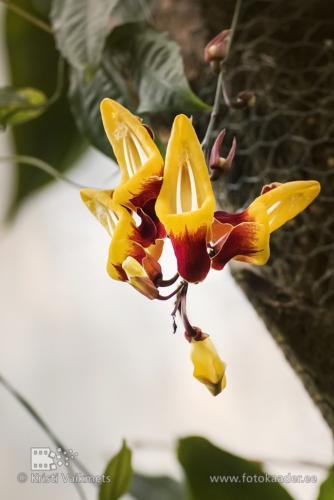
216 49
209 369
139 279
245 99
218 164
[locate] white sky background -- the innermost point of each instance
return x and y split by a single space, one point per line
100 363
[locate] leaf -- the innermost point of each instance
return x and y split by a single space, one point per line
130 11
156 67
85 98
153 488
53 136
80 28
119 470
327 488
20 105
202 461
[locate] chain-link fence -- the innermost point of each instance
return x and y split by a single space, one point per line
284 52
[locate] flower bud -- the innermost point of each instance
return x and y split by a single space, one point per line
218 164
139 279
245 99
216 49
209 369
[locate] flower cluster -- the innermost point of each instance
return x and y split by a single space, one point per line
174 199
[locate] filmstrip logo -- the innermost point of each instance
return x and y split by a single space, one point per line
43 459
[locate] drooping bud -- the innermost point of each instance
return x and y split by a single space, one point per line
218 164
216 49
209 369
139 279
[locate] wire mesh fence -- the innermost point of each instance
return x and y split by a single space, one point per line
286 55
284 52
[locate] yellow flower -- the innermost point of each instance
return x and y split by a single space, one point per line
138 157
245 236
186 201
128 260
209 369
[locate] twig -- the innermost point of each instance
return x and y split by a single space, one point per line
28 17
36 162
46 428
216 104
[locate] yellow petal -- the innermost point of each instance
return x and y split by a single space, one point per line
288 200
120 225
209 369
137 155
103 207
186 201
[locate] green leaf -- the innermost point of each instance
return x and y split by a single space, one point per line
327 488
153 488
85 98
130 11
156 67
236 478
80 28
119 470
20 105
53 136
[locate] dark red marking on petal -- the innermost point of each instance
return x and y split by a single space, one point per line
150 188
241 241
149 209
145 234
233 219
193 261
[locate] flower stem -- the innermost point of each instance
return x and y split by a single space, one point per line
28 17
216 105
36 162
166 297
163 283
46 428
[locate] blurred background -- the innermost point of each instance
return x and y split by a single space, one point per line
100 363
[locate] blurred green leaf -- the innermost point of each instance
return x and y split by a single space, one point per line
80 28
327 488
20 105
52 137
153 488
119 470
202 461
130 11
155 64
85 98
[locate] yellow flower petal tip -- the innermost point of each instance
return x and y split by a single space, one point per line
209 369
139 159
186 201
284 201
